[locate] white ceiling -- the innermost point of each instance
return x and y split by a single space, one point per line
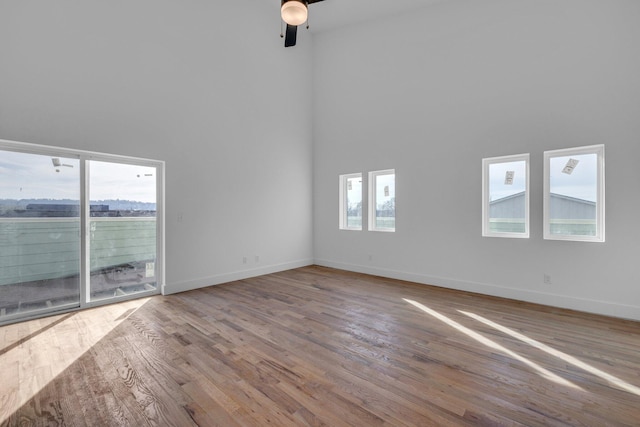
331 14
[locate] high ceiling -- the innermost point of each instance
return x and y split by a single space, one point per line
332 14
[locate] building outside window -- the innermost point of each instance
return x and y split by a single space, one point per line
505 196
574 194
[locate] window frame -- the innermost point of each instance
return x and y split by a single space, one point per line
486 203
344 204
84 158
373 176
598 150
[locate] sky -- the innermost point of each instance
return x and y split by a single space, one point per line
34 176
354 194
385 188
581 183
124 182
497 172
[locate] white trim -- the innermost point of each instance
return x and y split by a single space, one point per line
373 176
233 276
605 308
27 147
486 163
161 261
598 150
85 240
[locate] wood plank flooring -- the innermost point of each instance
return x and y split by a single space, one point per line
321 347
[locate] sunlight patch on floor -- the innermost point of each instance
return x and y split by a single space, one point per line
55 344
614 381
545 373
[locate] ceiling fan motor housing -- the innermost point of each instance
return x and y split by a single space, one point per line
294 12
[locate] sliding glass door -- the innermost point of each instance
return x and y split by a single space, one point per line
77 229
39 233
122 229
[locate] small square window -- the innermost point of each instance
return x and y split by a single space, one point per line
574 194
351 201
382 200
505 196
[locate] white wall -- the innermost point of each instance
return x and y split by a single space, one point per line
432 93
429 94
198 84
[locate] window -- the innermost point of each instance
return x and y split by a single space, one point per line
77 229
505 196
122 229
351 201
574 194
382 200
39 233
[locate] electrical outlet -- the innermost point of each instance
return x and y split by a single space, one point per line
370 257
244 259
547 279
257 258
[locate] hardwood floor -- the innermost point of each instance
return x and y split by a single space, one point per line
316 346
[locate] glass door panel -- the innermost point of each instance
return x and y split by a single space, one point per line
39 234
122 229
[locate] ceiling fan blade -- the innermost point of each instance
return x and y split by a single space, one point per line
290 37
314 1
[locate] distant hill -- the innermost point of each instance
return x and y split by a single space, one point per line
129 205
113 204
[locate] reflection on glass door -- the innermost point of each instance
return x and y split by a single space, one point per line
121 229
39 234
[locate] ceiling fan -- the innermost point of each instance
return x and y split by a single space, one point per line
294 13
57 163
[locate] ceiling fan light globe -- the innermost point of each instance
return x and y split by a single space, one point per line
294 12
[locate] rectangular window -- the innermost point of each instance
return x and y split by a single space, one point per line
382 200
574 194
76 229
505 196
351 201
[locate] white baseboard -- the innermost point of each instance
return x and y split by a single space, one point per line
554 300
232 276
